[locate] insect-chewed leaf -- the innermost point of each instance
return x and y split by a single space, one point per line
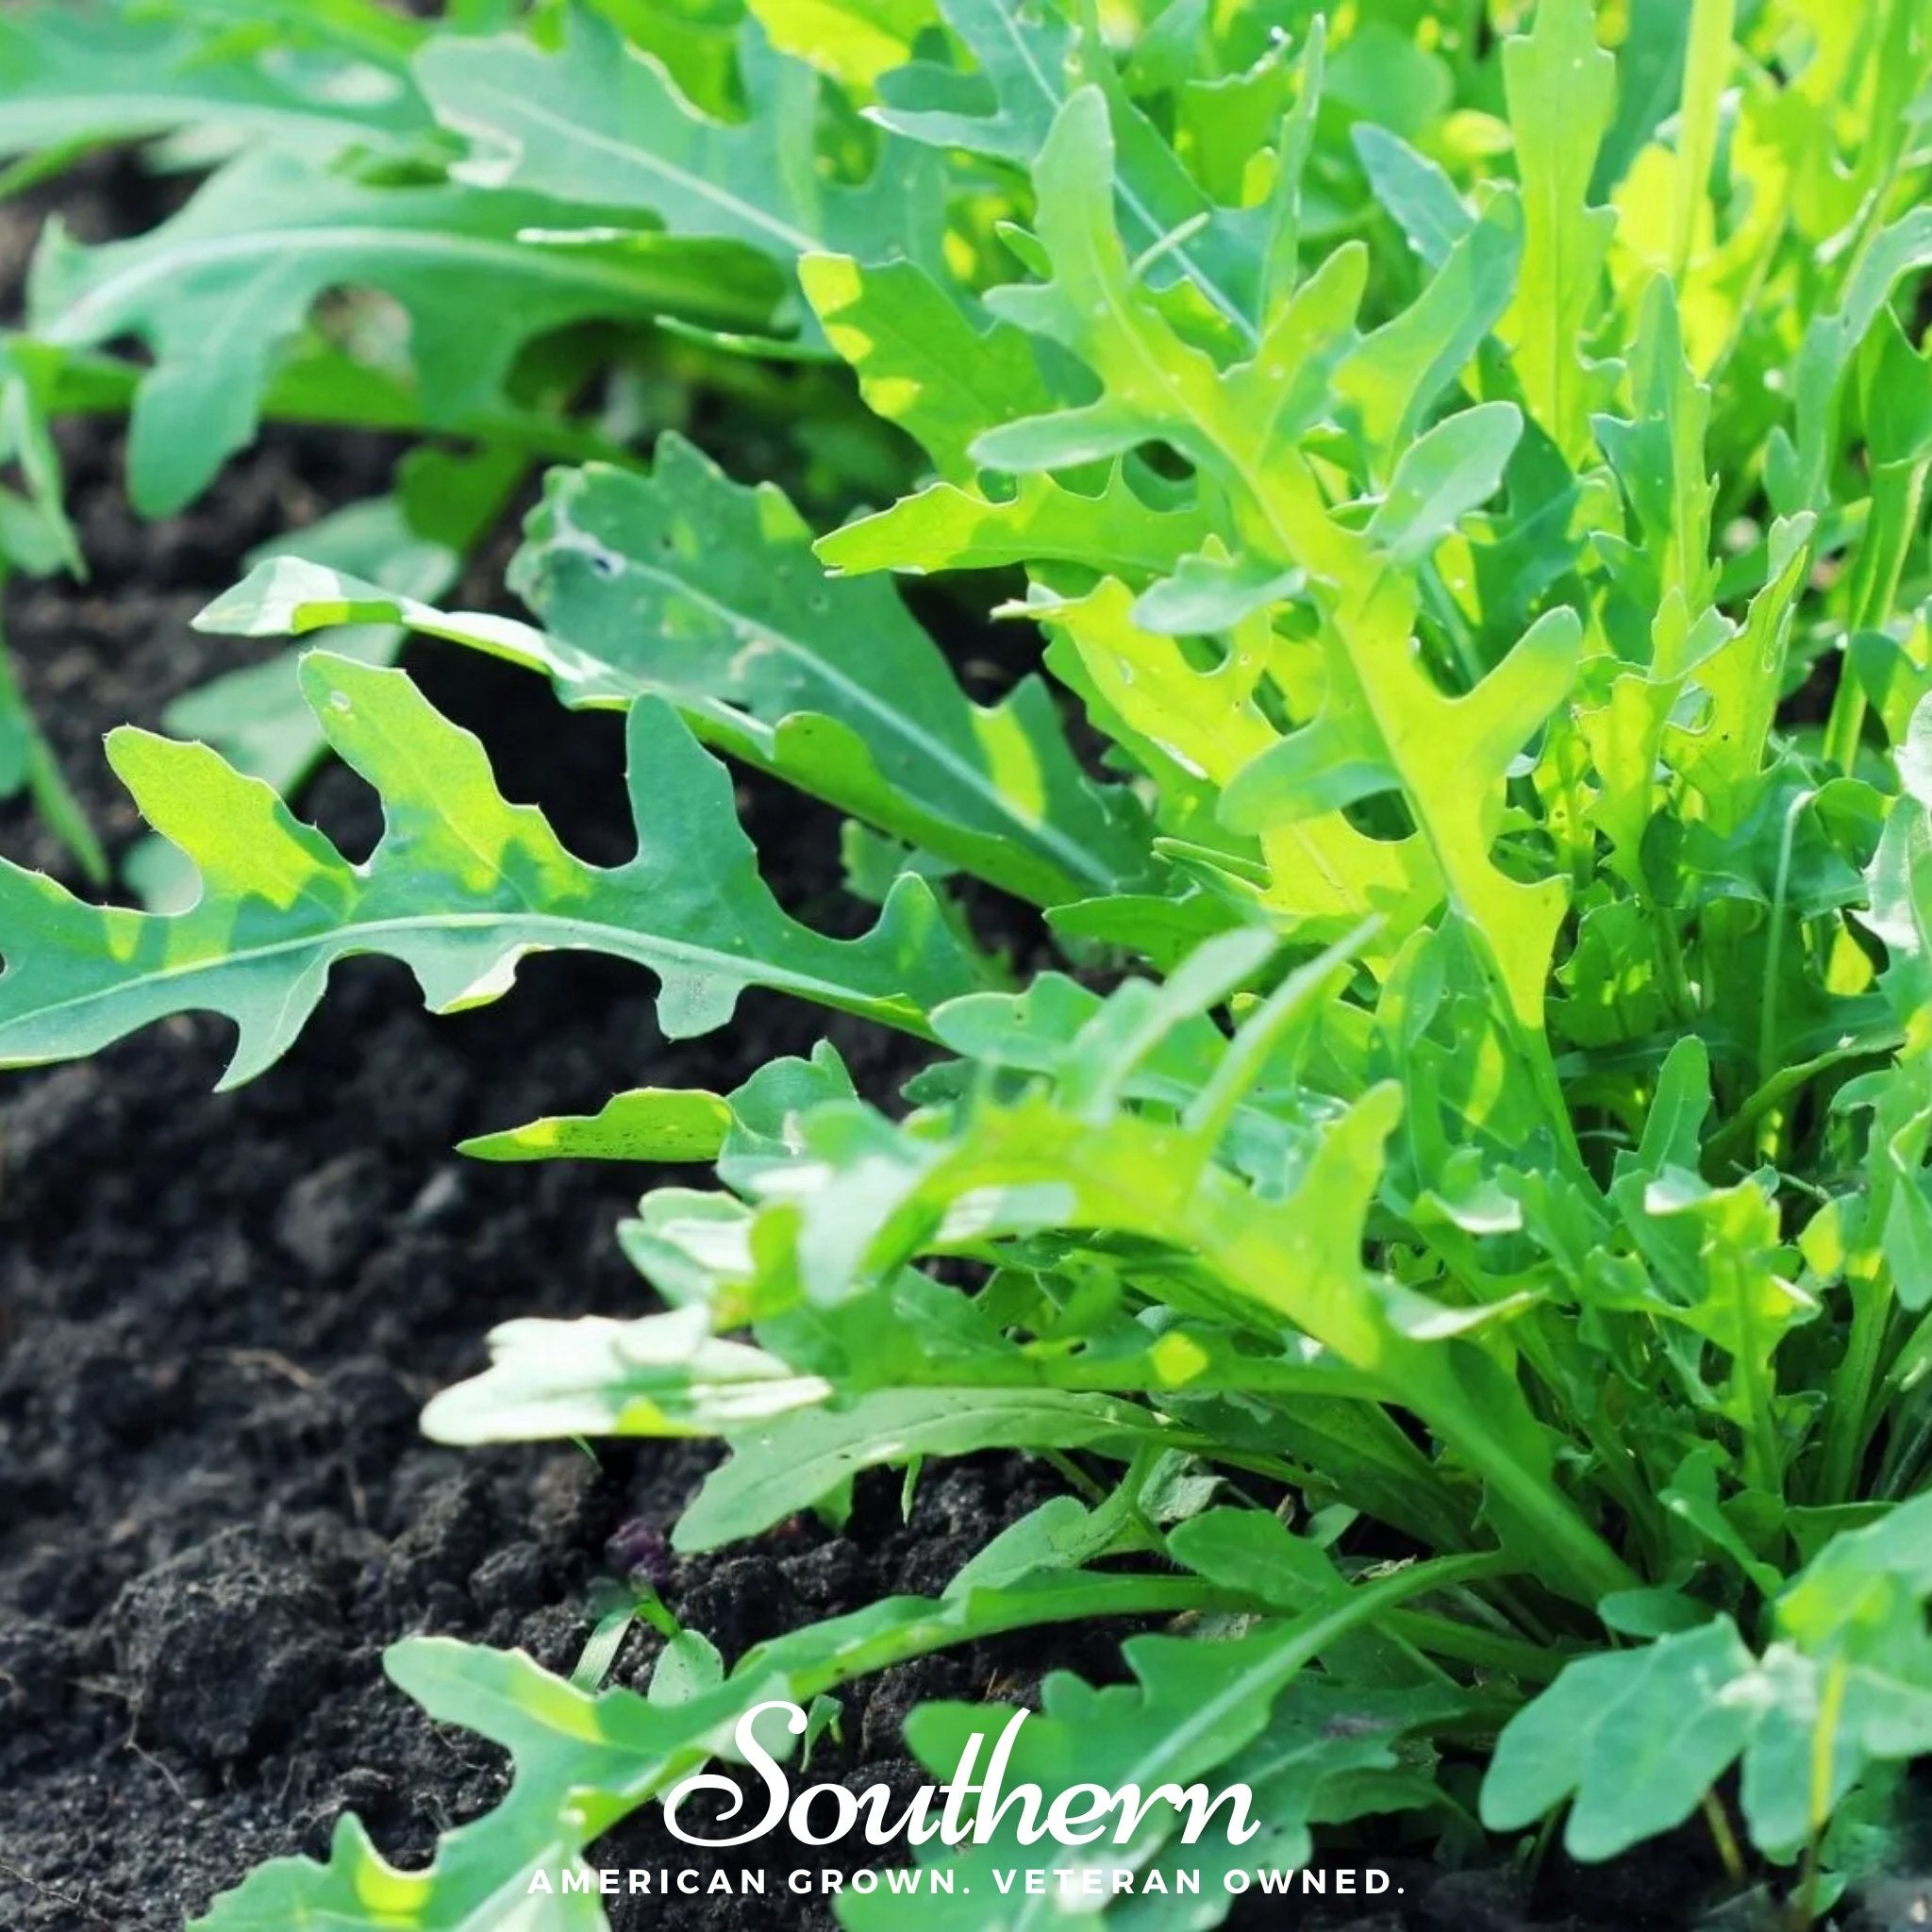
462 886
219 291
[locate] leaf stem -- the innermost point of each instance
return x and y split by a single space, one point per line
1852 1385
1424 1379
1897 492
1733 1139
1773 961
1074 1476
1725 1839
1464 1643
1824 1748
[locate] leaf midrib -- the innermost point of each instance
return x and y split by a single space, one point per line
796 241
124 286
591 935
1229 310
127 112
1066 852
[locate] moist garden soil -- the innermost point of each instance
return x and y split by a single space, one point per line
221 1314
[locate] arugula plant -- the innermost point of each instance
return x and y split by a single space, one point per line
1473 483
351 259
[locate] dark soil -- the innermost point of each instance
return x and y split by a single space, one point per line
219 1316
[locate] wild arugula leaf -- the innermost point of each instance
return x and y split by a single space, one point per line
1032 58
683 586
922 363
74 77
1846 1682
661 1376
1639 1735
1560 87
1241 427
645 1123
1398 373
786 1466
815 1262
413 541
461 885
597 124
853 41
218 291
1042 523
1194 1707
36 540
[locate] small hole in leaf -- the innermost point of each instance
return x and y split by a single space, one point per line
1385 817
1166 462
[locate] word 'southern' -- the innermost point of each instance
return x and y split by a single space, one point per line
825 1813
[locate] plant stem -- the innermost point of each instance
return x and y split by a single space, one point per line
1823 1747
1621 1476
1725 1839
1732 1140
1447 1636
1852 1385
1269 1253
1075 1477
1773 961
1243 1246
1897 491
1579 1563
